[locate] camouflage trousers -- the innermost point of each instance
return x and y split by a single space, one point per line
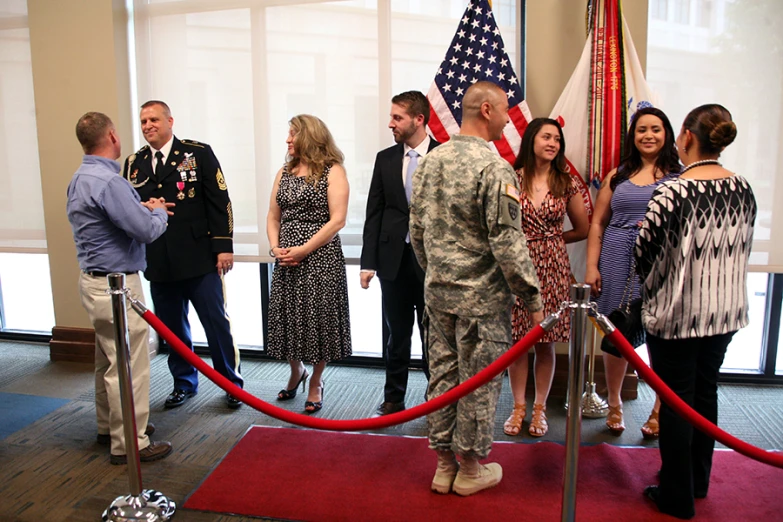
458 348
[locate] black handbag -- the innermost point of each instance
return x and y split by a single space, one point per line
627 317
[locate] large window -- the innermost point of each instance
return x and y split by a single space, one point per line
235 76
25 283
730 52
25 293
745 350
21 203
735 61
243 302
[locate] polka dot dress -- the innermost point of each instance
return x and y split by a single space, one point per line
308 305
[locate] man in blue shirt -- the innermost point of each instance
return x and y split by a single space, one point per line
110 228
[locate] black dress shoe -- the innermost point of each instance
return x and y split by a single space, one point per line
387 408
654 494
105 439
232 402
177 398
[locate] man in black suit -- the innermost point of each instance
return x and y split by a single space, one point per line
386 243
185 265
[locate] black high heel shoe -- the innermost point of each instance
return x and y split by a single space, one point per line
285 395
312 407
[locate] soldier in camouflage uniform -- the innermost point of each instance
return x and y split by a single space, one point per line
466 233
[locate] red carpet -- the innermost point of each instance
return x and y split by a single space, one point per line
296 474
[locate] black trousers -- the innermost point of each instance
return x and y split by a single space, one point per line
403 302
690 368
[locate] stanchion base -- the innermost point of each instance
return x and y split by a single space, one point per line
150 506
593 406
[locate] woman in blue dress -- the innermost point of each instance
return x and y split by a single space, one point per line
650 157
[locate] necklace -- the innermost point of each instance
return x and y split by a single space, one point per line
699 164
539 188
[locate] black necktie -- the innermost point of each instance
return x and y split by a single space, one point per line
159 165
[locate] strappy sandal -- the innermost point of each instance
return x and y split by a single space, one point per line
652 428
314 406
614 420
513 424
538 424
286 395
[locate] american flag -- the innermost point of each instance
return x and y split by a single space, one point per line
476 53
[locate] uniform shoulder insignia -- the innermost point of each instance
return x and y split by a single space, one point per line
221 181
132 157
193 143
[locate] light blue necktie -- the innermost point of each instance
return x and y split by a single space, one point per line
412 164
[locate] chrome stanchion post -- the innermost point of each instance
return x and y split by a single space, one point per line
147 505
580 297
122 343
593 406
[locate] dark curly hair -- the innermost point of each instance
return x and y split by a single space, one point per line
631 162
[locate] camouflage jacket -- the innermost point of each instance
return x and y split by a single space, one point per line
466 231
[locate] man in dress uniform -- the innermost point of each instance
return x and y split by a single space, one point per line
466 232
187 263
386 246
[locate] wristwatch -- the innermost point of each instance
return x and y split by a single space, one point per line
271 251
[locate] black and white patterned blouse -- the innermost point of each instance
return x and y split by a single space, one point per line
692 255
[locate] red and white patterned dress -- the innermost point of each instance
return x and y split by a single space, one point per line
543 228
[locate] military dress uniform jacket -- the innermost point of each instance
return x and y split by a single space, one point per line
202 225
466 231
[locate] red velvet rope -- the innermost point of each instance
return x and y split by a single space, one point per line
685 411
456 393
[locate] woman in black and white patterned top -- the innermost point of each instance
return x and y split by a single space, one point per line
692 254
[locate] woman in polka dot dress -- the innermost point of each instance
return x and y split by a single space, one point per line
308 305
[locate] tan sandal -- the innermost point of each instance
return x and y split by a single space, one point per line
538 424
614 420
513 424
652 428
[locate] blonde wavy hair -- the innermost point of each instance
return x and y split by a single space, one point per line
314 145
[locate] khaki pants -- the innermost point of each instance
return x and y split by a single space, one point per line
108 406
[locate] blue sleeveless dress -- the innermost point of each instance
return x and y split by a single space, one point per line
629 205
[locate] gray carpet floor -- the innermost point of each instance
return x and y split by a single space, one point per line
52 469
752 413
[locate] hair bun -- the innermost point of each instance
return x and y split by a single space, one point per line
723 134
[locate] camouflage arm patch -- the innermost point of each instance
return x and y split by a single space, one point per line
508 207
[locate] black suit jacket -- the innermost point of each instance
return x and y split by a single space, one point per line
202 225
386 223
